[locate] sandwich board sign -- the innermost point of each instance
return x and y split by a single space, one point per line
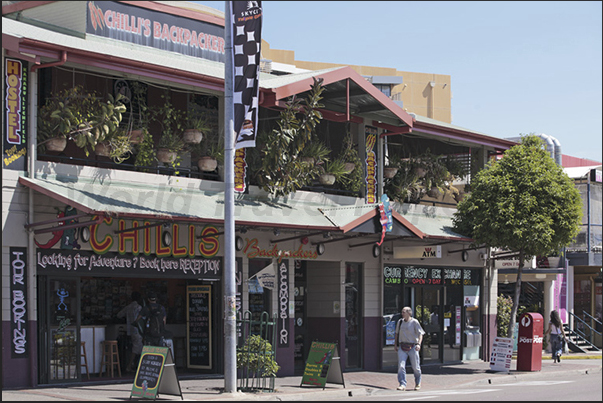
156 374
323 365
502 353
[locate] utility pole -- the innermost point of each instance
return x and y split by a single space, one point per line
230 322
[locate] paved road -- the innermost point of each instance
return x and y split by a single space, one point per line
460 376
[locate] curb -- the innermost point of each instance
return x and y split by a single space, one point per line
510 377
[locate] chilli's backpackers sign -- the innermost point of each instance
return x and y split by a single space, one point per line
128 23
14 154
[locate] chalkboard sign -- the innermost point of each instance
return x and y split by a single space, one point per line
156 374
322 366
199 326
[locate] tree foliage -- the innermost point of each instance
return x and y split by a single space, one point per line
523 203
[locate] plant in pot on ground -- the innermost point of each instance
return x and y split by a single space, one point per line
257 358
74 114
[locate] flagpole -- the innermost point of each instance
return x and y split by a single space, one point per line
230 358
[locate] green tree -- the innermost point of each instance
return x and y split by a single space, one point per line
523 203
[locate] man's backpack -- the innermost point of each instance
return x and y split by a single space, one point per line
155 327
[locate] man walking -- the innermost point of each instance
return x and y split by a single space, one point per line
409 335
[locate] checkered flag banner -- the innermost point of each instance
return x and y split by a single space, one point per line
246 42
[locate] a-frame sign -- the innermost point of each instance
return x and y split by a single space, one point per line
156 374
323 365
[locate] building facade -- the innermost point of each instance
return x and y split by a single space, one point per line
82 231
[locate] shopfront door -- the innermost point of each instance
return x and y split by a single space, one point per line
61 338
353 316
427 310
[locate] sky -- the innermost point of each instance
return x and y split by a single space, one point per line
516 67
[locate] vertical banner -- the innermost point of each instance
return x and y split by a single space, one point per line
246 45
283 303
240 171
370 141
15 115
18 299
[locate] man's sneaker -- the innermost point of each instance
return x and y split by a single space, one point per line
418 387
402 388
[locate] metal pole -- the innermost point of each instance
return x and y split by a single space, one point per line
230 359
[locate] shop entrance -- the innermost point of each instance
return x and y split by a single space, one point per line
59 341
427 302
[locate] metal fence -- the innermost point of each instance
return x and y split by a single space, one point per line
256 355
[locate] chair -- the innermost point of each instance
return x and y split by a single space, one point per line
110 358
85 357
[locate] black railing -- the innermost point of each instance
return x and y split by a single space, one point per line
583 331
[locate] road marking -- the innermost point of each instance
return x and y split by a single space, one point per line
434 393
534 383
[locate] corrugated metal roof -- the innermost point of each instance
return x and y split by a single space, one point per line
139 201
431 220
423 119
580 172
273 81
178 204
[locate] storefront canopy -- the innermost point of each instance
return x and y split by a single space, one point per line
181 204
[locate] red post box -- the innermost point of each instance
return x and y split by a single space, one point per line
529 343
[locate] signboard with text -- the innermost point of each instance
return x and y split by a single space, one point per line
322 366
156 374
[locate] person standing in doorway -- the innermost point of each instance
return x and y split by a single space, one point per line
130 312
409 335
557 336
156 316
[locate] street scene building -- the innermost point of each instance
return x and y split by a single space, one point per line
93 212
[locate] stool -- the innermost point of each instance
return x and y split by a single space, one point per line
83 355
110 358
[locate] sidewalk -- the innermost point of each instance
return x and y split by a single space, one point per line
362 383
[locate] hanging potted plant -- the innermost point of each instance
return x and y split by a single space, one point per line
172 121
116 146
139 116
392 165
209 152
196 125
331 171
146 156
354 179
169 148
73 114
313 152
